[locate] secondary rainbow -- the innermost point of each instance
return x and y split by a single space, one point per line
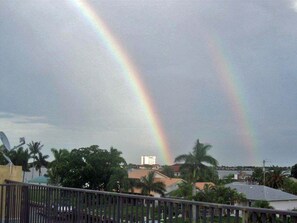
235 94
130 72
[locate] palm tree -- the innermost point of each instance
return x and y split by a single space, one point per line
59 155
275 178
40 161
197 162
184 191
148 185
20 157
168 171
34 148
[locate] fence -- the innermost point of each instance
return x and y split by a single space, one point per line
27 203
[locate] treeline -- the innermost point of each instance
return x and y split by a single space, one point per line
100 169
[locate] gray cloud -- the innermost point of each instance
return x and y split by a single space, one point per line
60 85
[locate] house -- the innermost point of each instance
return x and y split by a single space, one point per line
171 184
278 199
138 173
176 169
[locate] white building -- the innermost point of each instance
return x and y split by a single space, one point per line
148 160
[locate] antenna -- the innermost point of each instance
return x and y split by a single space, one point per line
6 145
5 141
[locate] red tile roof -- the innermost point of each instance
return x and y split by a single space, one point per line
138 173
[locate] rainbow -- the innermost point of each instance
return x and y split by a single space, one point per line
131 74
233 89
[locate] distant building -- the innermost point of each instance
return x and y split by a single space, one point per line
148 160
239 175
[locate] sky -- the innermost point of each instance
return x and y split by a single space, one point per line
223 72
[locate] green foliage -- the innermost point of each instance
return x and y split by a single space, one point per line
196 164
209 174
275 178
148 184
184 191
219 194
294 171
227 179
262 204
40 161
89 167
290 186
20 157
34 148
257 175
2 159
168 171
60 158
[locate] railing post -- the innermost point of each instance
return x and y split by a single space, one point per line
119 201
7 203
194 213
25 212
245 216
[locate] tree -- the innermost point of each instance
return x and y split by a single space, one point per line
258 217
275 178
89 167
262 204
210 174
290 186
40 161
257 175
3 161
219 194
184 191
148 184
20 157
59 156
227 179
294 171
60 159
197 163
34 148
168 171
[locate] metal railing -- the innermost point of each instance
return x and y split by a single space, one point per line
27 203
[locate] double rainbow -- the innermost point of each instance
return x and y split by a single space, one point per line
223 69
231 85
131 74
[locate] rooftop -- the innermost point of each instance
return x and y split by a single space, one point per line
260 192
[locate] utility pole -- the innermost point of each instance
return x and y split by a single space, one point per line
264 172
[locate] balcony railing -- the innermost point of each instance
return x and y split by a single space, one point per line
27 203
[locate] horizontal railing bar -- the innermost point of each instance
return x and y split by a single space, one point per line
149 198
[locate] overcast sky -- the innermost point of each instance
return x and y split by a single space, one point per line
223 71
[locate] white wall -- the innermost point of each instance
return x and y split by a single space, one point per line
284 205
148 160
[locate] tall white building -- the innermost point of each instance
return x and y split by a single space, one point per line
148 160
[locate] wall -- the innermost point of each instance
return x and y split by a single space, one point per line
284 205
14 173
